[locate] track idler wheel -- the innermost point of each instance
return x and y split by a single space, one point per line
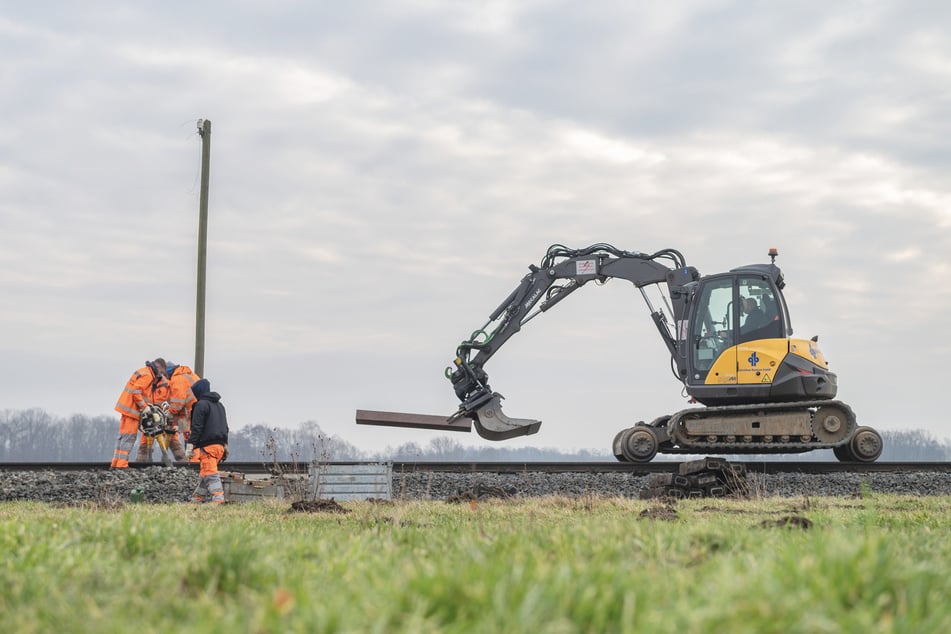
638 444
830 425
865 446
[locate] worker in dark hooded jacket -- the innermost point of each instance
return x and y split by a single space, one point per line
208 442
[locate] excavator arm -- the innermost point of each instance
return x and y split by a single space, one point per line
561 272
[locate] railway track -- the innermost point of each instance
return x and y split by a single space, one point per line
660 466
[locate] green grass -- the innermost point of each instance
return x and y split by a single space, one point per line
875 564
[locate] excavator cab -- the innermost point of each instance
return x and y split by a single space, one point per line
738 347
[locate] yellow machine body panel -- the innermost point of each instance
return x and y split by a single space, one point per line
723 370
750 362
757 361
808 349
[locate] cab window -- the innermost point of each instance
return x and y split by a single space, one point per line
758 310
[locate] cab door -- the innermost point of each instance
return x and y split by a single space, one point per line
712 331
762 344
727 346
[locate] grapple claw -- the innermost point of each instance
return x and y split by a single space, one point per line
492 423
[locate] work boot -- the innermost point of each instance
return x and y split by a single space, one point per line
175 446
144 454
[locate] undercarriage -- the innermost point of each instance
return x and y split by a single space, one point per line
752 429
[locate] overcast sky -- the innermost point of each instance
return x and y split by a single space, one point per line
382 174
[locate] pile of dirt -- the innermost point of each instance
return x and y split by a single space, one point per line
317 506
667 513
789 521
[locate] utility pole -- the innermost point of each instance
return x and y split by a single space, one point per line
204 131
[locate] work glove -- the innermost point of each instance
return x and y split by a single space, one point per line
190 454
224 456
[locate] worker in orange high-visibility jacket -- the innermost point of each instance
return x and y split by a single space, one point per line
147 385
180 401
208 442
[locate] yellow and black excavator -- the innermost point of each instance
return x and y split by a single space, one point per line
730 340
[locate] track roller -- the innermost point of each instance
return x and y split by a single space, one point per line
616 445
865 446
638 444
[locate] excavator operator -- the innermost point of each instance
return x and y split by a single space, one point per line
755 317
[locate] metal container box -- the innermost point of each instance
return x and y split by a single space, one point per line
351 480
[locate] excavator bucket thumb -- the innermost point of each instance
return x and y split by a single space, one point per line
492 423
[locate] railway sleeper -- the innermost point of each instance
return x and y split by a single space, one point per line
708 477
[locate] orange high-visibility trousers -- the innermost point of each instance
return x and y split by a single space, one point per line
128 429
209 487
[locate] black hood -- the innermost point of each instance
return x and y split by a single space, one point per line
201 387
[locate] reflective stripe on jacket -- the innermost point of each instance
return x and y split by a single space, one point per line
141 390
181 399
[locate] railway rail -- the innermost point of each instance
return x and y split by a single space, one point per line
658 466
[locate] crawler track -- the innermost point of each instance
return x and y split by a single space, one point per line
657 466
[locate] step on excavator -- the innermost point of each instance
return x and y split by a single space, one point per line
759 389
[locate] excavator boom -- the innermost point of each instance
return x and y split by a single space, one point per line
561 272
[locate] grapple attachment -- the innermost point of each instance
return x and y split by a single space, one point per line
492 423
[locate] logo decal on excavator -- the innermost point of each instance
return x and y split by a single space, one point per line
585 267
753 359
531 300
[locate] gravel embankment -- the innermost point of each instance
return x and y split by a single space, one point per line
160 484
442 485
